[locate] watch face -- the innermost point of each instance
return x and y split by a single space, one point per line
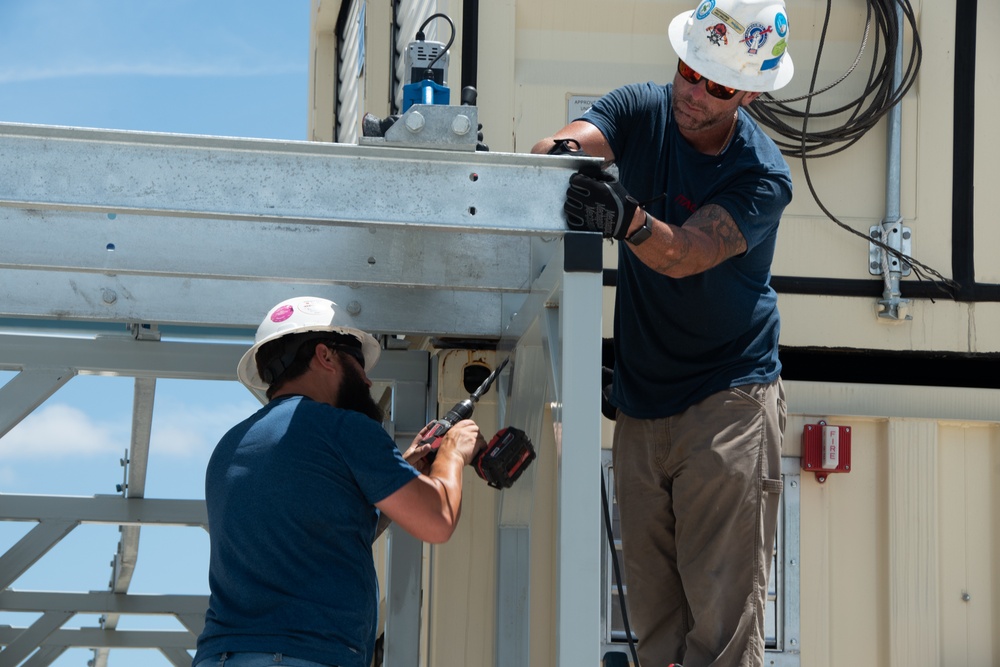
641 234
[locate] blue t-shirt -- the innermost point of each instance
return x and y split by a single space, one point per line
677 341
290 494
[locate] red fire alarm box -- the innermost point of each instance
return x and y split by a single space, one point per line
826 449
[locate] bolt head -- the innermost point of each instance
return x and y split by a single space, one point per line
461 125
415 121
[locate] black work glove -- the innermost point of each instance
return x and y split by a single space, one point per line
567 147
373 126
607 377
480 144
597 202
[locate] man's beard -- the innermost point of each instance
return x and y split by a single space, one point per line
355 395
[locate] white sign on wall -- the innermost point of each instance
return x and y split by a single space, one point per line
577 105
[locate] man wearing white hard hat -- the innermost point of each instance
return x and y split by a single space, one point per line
295 492
696 392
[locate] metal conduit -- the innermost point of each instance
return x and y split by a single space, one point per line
892 306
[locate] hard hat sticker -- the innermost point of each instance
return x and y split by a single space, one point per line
770 63
704 9
717 34
313 308
728 20
282 313
755 36
781 24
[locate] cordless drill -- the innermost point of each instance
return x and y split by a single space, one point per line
505 457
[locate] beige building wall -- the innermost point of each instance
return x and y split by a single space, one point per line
898 557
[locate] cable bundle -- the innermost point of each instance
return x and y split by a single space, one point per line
881 93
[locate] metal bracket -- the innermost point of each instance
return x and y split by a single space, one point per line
123 487
891 307
898 237
433 126
142 331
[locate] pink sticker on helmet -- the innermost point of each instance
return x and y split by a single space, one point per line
281 314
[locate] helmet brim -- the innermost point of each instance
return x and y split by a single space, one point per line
246 370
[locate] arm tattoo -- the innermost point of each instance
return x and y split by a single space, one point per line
726 237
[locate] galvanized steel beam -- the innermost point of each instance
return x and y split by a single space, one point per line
105 225
103 509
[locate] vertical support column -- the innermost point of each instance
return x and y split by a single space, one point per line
526 409
404 582
914 623
403 586
892 306
578 447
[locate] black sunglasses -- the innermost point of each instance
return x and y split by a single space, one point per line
349 351
714 89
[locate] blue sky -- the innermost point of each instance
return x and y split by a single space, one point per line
214 67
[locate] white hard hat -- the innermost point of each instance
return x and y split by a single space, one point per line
301 314
741 44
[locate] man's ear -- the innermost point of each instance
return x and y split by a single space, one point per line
749 97
325 357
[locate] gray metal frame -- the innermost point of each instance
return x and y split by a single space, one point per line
154 255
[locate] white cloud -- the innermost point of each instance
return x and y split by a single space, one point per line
179 431
62 430
187 431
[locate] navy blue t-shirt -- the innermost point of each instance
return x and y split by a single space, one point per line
290 494
677 341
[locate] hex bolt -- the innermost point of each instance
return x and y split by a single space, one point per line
414 121
108 296
354 307
461 125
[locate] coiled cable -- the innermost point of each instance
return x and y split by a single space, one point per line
881 93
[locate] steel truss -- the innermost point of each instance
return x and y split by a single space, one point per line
153 256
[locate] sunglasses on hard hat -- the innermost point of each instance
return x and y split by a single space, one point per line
714 89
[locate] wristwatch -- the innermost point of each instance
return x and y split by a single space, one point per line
643 233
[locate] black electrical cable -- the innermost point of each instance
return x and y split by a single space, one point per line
451 40
618 575
881 93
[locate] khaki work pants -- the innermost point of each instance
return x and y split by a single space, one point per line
698 494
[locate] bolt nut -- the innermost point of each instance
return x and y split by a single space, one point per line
354 307
108 296
414 121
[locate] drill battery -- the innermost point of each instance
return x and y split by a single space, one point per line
506 456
